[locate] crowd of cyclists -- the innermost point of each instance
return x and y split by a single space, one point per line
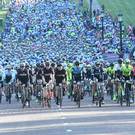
49 81
50 49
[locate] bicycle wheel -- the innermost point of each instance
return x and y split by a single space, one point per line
49 103
127 97
99 98
60 97
9 95
79 99
100 102
121 99
0 96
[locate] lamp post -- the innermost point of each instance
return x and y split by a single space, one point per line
102 20
91 3
81 3
120 28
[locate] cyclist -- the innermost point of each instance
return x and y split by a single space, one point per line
127 74
98 72
99 76
111 71
8 79
118 69
60 76
39 83
88 72
127 70
23 80
87 78
69 79
77 72
39 73
77 76
111 81
23 75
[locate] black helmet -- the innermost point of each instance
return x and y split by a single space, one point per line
38 64
111 65
59 65
120 61
52 64
77 63
47 64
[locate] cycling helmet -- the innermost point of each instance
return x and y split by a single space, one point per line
111 65
120 61
69 65
77 63
59 65
127 61
47 64
97 63
52 64
22 65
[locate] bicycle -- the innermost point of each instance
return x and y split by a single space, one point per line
8 93
18 91
78 93
87 87
1 92
47 95
128 91
39 91
120 91
59 94
25 96
99 94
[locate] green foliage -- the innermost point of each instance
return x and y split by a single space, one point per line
126 7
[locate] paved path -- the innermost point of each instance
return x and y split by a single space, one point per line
111 119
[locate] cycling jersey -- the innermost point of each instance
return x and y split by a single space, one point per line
59 76
127 70
47 74
98 73
69 74
111 71
22 76
77 73
88 73
39 73
8 76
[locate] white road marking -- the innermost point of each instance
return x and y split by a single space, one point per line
68 130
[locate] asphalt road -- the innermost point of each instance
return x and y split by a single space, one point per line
111 119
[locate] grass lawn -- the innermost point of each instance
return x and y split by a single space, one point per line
3 13
85 4
2 16
126 7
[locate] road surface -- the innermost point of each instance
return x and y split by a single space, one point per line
111 119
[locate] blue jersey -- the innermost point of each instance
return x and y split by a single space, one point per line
8 76
77 74
77 70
